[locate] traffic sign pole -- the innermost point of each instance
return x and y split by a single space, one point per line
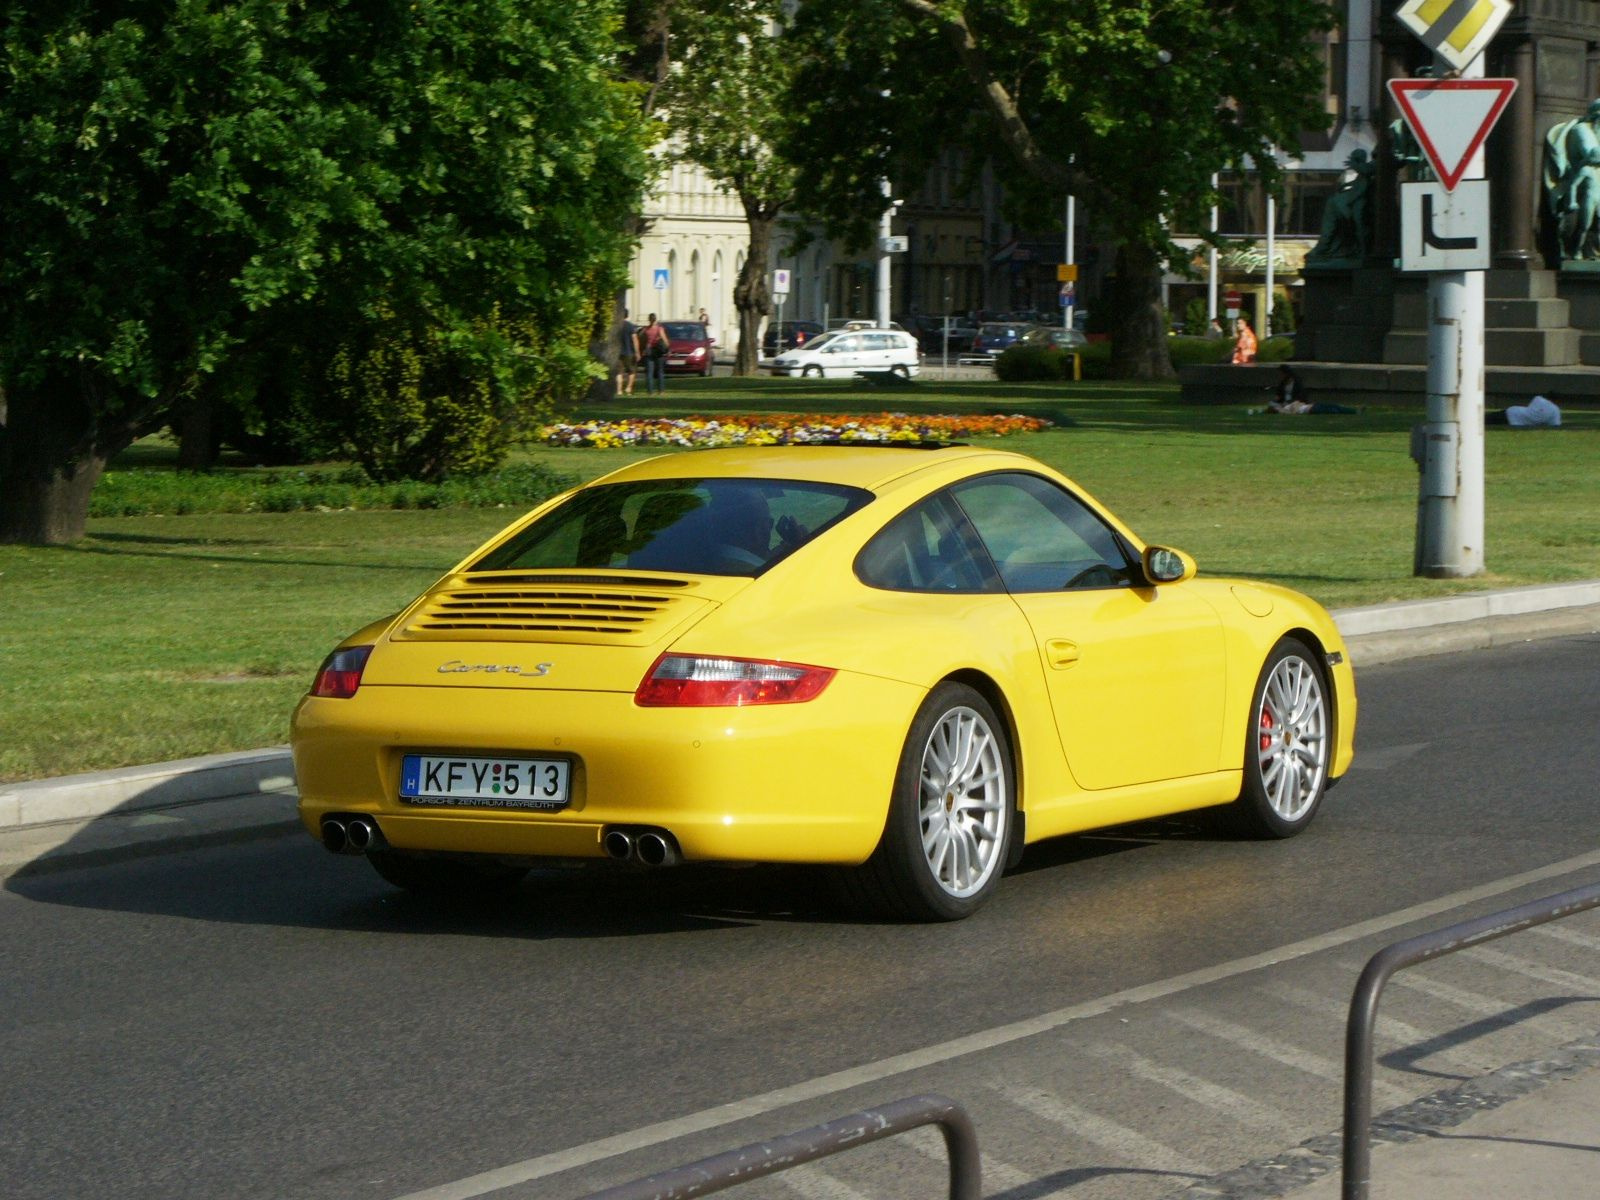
1450 500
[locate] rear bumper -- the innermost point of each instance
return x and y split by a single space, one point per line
806 783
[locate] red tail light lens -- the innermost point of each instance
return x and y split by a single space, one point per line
340 674
696 681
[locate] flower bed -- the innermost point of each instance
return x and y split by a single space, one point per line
779 429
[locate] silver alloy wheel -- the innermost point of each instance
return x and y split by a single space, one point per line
1292 737
963 806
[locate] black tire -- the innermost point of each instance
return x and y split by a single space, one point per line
808 372
975 814
1288 745
445 877
901 370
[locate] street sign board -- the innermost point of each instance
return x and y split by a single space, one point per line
780 283
1233 302
1066 272
1455 30
1451 118
1444 230
894 245
663 278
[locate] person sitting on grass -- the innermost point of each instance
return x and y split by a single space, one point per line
1290 397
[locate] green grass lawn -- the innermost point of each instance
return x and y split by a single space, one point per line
163 637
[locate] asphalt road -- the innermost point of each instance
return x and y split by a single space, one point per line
1134 1014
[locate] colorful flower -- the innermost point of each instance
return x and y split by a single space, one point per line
776 429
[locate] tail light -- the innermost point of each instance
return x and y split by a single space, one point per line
340 674
697 681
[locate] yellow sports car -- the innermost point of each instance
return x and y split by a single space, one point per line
903 662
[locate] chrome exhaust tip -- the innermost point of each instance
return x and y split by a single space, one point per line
618 844
335 836
361 835
657 849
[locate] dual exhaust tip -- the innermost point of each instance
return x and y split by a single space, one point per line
351 834
357 834
652 847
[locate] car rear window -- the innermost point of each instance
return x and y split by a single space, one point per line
696 526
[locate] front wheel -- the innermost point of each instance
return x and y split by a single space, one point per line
1287 747
808 372
945 841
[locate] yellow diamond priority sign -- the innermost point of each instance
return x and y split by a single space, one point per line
1455 30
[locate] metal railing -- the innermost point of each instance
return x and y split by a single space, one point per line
723 1171
1357 1166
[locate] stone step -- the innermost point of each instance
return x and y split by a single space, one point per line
1520 285
1411 312
1502 347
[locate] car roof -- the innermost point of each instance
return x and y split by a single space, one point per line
864 466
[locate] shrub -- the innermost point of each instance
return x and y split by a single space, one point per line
172 493
1030 364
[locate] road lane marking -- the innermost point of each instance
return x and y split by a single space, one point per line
554 1163
1133 1147
1571 936
812 1183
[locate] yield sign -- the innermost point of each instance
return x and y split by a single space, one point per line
1451 117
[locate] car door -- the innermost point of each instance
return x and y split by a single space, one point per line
1135 673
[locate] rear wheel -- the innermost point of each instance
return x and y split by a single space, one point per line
945 841
901 370
808 372
444 876
1287 747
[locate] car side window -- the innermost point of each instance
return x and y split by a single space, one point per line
1041 537
929 548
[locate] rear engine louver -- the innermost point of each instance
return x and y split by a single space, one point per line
549 613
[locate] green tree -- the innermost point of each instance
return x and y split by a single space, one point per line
727 105
1131 105
201 191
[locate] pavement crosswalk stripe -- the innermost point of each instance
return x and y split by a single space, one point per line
1215 1096
1565 933
1491 1006
1529 969
997 1173
1393 1033
813 1183
1279 1051
1127 1143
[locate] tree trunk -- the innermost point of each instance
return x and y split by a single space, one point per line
1139 325
751 295
48 468
194 421
604 348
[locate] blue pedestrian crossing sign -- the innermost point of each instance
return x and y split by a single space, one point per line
663 278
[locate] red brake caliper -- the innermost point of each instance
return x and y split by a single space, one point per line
1266 725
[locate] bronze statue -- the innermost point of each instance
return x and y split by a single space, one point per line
1572 184
1347 217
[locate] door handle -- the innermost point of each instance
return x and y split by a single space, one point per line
1061 653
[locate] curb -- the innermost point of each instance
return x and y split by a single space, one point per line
257 786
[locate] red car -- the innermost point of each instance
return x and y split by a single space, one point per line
689 349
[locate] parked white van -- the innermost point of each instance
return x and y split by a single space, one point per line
846 351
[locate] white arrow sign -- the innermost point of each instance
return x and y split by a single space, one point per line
1444 231
1451 118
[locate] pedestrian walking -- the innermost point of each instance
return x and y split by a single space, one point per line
627 356
653 346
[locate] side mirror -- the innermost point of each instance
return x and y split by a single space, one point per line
1162 564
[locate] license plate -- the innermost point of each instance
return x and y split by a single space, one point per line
528 783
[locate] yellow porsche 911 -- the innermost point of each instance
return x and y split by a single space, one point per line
905 663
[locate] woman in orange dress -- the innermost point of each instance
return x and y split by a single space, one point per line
1244 349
